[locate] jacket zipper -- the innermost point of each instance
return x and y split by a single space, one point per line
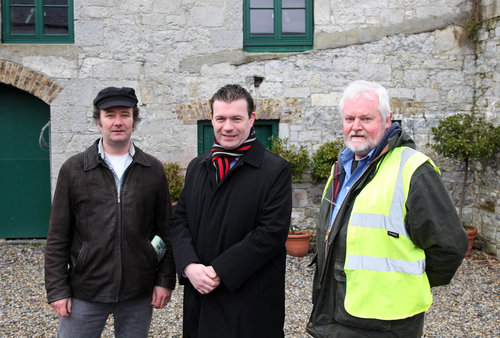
120 229
119 224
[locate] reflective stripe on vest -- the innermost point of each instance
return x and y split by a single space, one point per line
385 270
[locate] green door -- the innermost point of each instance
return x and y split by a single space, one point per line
24 165
264 129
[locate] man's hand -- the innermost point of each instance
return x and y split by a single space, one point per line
161 296
203 278
62 307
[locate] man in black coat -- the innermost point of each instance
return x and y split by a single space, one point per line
229 229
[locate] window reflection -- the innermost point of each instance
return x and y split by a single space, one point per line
22 2
56 2
261 4
56 20
22 20
293 3
261 22
293 22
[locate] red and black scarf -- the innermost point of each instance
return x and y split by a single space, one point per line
221 157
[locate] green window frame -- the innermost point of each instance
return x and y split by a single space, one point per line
264 129
37 21
277 25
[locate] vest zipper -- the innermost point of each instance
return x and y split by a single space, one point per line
328 232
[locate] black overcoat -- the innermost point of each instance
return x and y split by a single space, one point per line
239 227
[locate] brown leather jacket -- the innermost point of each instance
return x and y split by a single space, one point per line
99 244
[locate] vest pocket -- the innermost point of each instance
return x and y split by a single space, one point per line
341 314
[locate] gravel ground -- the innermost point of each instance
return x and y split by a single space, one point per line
468 307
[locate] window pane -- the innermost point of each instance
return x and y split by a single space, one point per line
261 22
293 3
294 22
22 2
22 20
56 2
261 3
56 20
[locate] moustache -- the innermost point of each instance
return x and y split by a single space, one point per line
358 133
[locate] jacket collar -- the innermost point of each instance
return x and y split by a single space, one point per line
255 154
101 152
92 158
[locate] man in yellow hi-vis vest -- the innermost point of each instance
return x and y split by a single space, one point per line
387 228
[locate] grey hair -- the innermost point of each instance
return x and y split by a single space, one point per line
361 87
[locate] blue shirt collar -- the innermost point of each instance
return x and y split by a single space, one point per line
347 155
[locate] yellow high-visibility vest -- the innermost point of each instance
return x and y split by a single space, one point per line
385 270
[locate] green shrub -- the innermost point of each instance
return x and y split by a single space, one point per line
175 179
324 158
298 157
464 137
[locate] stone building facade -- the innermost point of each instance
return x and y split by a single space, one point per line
177 53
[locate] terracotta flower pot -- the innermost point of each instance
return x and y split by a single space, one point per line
297 244
472 233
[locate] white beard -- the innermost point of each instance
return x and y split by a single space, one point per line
361 149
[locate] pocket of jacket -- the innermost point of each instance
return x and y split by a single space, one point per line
316 279
151 255
81 259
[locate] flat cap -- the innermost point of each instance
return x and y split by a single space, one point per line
116 97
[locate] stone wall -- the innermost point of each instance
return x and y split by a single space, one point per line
177 53
486 188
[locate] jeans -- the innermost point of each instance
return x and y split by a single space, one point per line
87 319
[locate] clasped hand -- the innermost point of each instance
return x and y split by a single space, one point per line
203 278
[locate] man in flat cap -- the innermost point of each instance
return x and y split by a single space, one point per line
108 248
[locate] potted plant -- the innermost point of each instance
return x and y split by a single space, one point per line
297 243
175 179
471 233
465 137
324 158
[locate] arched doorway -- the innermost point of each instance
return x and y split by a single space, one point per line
24 165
